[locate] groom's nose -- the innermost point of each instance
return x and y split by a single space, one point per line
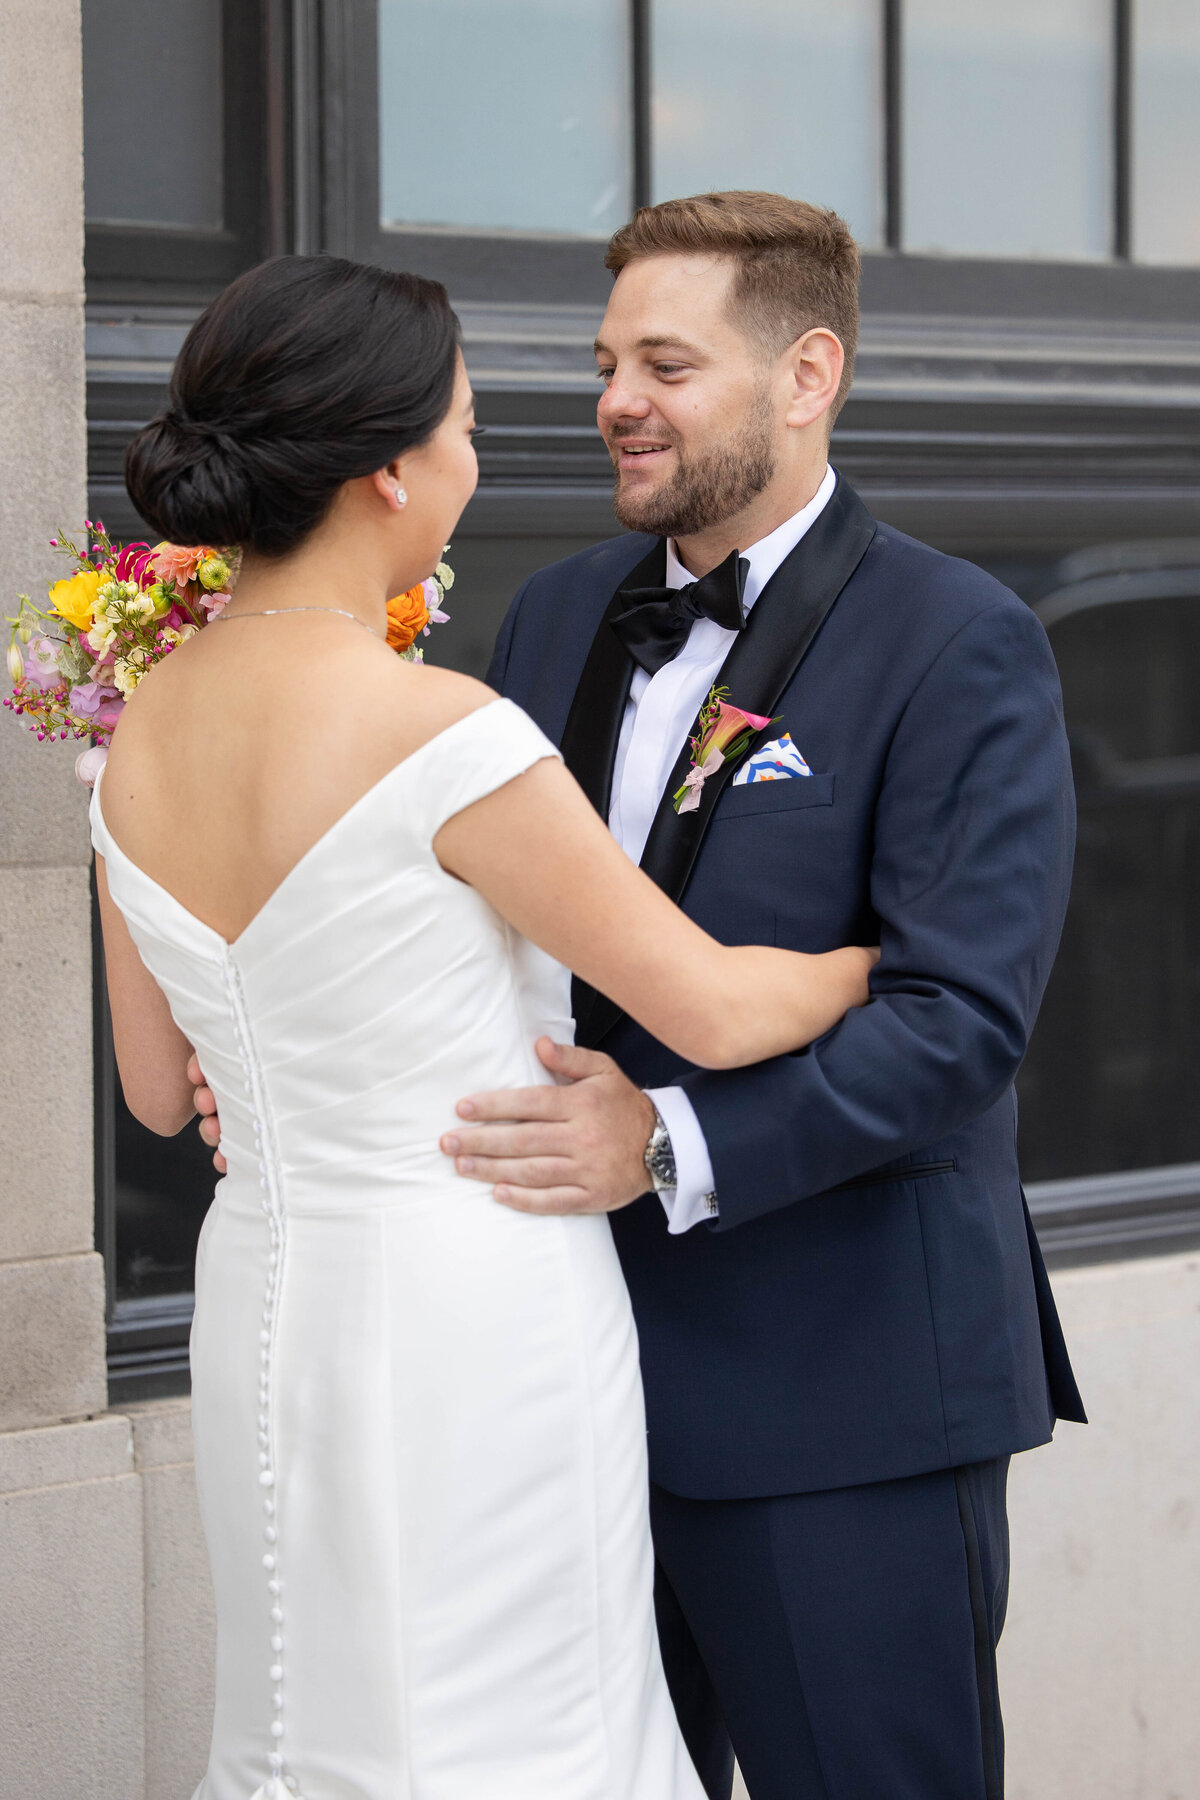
622 400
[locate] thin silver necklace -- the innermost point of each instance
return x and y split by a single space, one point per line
273 612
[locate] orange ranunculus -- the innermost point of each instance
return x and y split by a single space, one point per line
407 617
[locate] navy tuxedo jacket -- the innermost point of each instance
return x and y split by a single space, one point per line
871 1302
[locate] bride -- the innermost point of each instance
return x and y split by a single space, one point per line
355 885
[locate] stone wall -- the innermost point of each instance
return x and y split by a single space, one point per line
71 1688
1099 1662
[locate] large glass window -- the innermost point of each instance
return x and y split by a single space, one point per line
1166 131
504 114
777 94
152 113
1110 1082
174 133
1008 127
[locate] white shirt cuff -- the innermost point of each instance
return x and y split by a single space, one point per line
693 1200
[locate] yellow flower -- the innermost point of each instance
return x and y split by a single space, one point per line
74 600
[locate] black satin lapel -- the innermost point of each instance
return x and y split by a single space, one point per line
761 662
589 740
590 736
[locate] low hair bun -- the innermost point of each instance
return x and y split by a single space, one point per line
306 373
190 481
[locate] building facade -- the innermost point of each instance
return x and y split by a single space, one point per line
1021 178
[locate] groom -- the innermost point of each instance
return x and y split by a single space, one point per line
846 1327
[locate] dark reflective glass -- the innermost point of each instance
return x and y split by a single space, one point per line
163 1187
1110 1081
152 113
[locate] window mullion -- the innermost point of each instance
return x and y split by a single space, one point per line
1122 127
639 46
893 74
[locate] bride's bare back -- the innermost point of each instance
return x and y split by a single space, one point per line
249 742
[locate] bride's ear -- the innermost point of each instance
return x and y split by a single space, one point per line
390 484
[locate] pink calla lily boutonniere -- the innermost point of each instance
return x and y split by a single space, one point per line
724 735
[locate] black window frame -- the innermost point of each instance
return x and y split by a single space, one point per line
178 262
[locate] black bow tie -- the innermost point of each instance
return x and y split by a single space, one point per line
656 621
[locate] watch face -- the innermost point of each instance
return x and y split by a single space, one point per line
660 1160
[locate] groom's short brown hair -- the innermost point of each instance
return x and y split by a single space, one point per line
796 264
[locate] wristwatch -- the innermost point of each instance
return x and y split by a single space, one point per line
659 1157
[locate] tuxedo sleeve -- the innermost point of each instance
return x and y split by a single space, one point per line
974 835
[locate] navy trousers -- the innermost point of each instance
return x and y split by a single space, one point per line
841 1644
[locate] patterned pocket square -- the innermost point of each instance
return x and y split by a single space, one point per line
777 761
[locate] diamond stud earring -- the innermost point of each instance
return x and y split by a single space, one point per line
401 497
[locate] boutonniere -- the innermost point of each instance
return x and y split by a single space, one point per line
724 735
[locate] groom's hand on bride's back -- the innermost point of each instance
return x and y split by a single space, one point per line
206 1105
576 1148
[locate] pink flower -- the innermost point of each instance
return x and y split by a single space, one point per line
41 664
177 562
725 733
91 700
133 563
214 604
730 723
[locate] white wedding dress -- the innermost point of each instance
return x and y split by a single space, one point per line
420 1442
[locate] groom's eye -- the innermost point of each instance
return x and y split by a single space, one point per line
605 374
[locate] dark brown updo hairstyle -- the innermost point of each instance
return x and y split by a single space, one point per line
304 373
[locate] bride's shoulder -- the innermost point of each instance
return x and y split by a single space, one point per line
434 699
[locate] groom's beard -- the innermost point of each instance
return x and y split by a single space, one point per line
706 489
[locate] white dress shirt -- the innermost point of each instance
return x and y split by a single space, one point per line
659 714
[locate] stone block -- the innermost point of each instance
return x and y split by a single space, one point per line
180 1621
46 1183
71 1635
1098 1658
51 1340
43 444
64 1455
41 146
43 808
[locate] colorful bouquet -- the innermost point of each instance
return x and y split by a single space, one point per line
74 663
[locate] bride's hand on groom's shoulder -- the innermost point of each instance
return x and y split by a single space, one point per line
575 1148
206 1106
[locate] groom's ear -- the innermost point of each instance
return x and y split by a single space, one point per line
814 365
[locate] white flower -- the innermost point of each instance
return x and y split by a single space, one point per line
16 665
101 637
128 671
445 574
89 763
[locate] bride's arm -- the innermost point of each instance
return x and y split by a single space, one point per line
152 1053
537 850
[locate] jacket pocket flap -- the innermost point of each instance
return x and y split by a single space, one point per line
774 796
